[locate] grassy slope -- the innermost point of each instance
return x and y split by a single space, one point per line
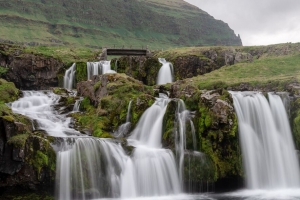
277 64
158 24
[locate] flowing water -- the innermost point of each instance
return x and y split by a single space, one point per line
97 168
183 116
124 128
154 168
39 106
69 78
165 74
94 168
77 105
93 68
269 153
106 68
96 68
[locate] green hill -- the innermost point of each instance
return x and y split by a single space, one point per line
97 23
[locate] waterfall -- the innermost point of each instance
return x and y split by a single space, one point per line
77 105
95 168
165 74
90 169
153 168
93 68
38 105
106 68
124 128
183 116
69 78
269 154
96 68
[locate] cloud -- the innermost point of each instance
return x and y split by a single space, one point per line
259 22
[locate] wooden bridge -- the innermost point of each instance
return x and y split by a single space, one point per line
123 52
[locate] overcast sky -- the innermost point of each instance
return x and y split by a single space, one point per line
259 22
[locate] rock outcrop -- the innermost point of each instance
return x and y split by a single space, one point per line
194 63
27 159
29 71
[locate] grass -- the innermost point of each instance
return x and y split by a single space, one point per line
260 71
65 54
159 24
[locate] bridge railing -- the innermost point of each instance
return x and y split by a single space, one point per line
126 47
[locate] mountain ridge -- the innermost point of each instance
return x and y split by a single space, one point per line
170 23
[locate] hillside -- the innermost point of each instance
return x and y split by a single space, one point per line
92 23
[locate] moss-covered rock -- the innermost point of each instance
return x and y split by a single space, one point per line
216 126
144 69
81 72
8 91
106 100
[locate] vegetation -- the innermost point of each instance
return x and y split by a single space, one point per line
3 71
96 24
8 91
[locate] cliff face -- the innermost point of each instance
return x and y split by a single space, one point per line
29 71
197 61
27 159
158 24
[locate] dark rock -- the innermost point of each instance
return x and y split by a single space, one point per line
29 71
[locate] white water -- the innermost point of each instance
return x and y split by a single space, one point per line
77 105
269 154
96 68
183 116
124 128
69 78
94 168
155 171
90 169
165 74
38 105
106 68
93 68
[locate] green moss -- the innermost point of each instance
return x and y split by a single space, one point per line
207 121
81 71
3 70
40 160
9 118
70 100
97 85
59 91
8 91
28 196
18 140
86 105
4 109
40 155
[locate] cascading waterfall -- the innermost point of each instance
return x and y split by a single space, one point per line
165 74
90 169
269 154
94 168
38 105
106 68
183 115
93 68
124 128
69 78
154 169
96 68
77 105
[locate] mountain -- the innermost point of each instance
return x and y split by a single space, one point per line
96 23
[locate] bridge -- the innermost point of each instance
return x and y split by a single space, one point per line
124 52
